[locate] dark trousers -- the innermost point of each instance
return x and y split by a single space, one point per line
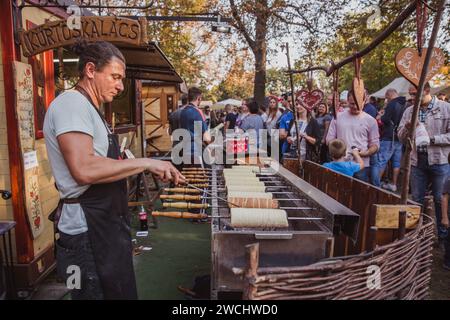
447 249
73 254
421 176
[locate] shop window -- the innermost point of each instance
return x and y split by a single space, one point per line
65 65
122 110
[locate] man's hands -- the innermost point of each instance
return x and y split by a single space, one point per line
357 156
164 171
355 152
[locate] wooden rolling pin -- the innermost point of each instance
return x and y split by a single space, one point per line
182 190
185 205
194 176
180 197
197 180
179 214
200 185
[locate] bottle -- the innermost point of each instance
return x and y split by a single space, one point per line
143 219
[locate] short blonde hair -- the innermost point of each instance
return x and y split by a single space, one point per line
337 148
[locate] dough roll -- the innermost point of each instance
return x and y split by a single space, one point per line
237 202
244 194
258 218
251 188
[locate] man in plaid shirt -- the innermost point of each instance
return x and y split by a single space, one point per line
429 163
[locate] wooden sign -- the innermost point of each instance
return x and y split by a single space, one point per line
310 99
23 79
359 92
56 34
387 216
410 64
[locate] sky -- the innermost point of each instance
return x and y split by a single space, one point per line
279 60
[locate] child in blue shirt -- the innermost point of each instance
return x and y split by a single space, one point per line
338 151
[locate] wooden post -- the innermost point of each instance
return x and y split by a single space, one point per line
401 224
10 52
409 144
429 211
372 238
291 79
329 247
251 270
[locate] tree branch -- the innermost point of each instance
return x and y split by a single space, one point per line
241 26
380 38
301 24
307 24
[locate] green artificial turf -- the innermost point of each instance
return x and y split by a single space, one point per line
181 251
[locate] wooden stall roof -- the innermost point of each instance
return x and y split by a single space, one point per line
148 63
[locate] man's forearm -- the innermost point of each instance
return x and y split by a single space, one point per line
371 151
441 139
98 169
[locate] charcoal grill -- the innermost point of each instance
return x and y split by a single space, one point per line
303 242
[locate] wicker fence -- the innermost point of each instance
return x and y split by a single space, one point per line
404 268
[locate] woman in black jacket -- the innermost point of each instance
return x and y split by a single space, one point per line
309 131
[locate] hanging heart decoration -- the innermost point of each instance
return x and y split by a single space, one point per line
410 64
359 92
310 99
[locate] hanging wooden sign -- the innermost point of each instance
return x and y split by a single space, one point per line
56 34
410 64
310 99
23 80
359 92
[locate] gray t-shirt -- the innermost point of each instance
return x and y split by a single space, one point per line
253 122
72 112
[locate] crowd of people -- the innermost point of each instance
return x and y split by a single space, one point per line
366 144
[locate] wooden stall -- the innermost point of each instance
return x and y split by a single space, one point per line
159 100
30 78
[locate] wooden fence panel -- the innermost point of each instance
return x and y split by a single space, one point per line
356 195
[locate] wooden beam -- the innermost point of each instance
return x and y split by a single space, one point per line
251 270
387 216
24 241
379 39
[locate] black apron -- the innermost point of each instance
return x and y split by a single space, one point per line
105 207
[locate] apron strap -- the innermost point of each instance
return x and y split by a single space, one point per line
88 97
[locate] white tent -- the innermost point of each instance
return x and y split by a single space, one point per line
444 89
233 102
400 84
205 103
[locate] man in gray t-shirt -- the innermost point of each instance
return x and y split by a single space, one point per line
71 111
94 225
